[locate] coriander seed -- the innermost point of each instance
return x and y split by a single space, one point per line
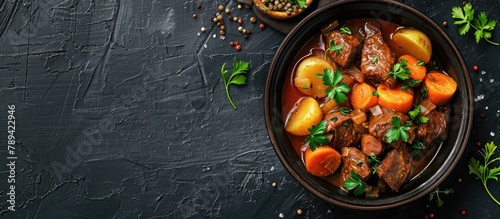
198 5
219 17
299 211
240 28
253 20
239 6
222 32
221 7
228 10
235 18
203 29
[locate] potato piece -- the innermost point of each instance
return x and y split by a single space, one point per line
306 114
409 41
307 70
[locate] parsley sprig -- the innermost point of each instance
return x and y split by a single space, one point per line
374 162
238 77
436 193
338 88
317 137
400 70
399 131
464 16
484 172
355 182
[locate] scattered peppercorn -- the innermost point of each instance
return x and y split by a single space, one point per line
203 29
198 5
431 215
235 18
299 211
238 47
445 23
228 10
214 20
222 27
231 43
221 32
464 3
240 28
482 115
221 7
245 35
274 184
262 26
475 68
239 6
463 212
252 19
459 180
195 16
219 17
478 144
236 43
240 21
247 6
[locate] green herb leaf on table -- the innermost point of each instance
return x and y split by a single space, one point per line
338 89
238 76
483 171
436 193
400 70
317 137
464 17
399 131
355 182
345 30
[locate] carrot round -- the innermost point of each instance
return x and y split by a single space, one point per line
323 161
395 98
440 88
362 97
417 71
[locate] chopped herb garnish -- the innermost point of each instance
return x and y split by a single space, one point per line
344 110
317 136
375 59
359 163
424 92
399 131
435 64
410 83
417 148
415 117
464 17
333 47
334 118
421 63
484 172
345 124
355 182
338 88
305 86
345 30
374 162
400 70
375 93
436 192
238 77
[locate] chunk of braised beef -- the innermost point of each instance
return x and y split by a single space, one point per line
395 167
377 57
351 46
354 160
342 130
435 126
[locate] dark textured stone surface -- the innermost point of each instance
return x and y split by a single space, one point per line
121 113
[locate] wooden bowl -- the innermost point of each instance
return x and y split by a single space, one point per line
279 15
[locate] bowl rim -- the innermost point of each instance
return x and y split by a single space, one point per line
465 123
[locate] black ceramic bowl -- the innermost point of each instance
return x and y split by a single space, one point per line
443 49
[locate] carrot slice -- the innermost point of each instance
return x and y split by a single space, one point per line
323 161
417 71
440 88
362 97
395 98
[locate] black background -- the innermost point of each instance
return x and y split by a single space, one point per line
121 113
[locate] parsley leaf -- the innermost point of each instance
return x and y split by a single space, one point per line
375 59
238 77
399 131
410 83
355 182
344 110
464 17
417 148
317 136
424 92
375 93
436 192
400 70
415 117
345 30
421 63
334 48
339 89
484 172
